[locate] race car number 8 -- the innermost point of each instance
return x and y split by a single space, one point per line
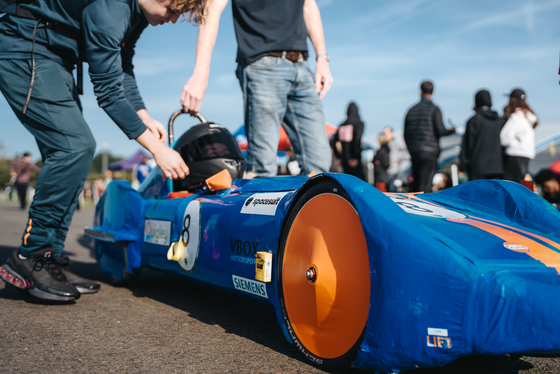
190 235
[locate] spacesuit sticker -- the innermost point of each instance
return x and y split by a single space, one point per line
264 204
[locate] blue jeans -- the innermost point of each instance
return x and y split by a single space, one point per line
278 92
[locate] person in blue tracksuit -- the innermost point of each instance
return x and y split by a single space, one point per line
39 48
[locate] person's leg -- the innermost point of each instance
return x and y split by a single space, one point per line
305 123
426 165
22 194
523 163
265 85
515 168
415 160
54 117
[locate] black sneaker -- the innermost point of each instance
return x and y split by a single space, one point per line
40 274
83 285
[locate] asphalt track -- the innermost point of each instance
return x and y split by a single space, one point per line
161 324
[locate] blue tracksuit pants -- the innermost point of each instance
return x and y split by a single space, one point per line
67 146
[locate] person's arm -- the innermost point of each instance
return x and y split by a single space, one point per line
438 124
466 146
194 90
312 18
507 134
14 169
358 130
104 25
131 88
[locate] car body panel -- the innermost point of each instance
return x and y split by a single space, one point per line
470 270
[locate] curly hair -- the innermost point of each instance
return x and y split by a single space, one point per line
195 9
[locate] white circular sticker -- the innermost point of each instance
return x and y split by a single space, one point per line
423 209
190 236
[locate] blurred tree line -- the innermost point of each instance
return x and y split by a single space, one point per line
95 172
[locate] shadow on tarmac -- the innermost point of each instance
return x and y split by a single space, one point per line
237 315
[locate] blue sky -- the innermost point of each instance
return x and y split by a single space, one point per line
380 51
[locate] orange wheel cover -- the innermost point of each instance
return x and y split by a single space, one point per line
329 315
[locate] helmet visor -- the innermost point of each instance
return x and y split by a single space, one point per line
215 145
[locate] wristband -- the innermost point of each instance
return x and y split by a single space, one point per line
323 55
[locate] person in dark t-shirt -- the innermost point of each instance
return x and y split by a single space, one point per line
277 84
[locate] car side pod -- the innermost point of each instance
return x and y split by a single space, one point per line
117 231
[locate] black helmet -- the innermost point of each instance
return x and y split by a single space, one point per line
207 149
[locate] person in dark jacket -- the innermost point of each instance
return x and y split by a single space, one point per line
481 153
38 51
423 126
348 140
382 161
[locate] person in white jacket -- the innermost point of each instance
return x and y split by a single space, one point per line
518 136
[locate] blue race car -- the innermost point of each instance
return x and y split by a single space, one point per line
355 276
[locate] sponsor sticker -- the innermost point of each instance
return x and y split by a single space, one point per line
437 332
420 208
243 251
250 286
438 338
264 204
157 232
516 247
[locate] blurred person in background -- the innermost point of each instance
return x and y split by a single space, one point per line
441 181
549 182
143 170
382 160
518 136
481 152
348 142
423 126
20 174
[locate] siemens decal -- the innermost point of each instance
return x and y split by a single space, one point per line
264 204
250 286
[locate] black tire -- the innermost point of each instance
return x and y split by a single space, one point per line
343 360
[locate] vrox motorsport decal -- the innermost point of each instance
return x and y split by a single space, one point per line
250 286
243 251
413 206
157 232
264 204
190 236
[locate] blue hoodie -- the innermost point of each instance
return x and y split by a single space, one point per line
102 33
